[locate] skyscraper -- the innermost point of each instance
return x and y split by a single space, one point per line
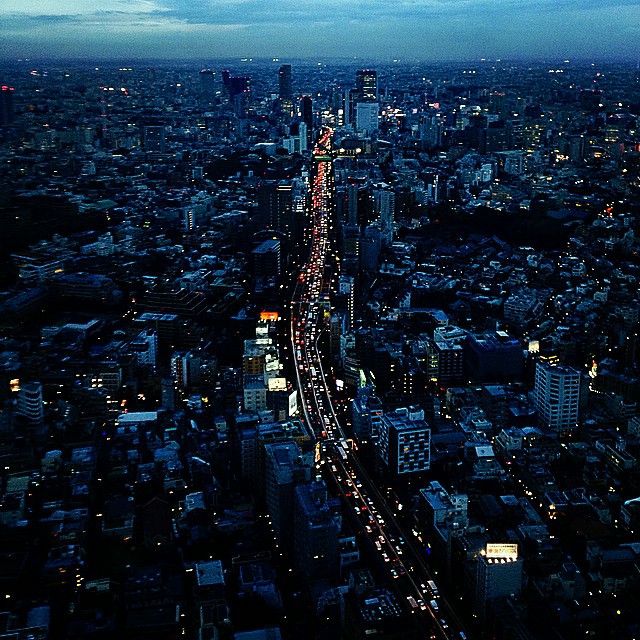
207 83
367 85
6 105
284 77
306 111
275 203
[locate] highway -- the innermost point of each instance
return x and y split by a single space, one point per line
399 558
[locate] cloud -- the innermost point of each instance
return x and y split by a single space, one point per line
416 28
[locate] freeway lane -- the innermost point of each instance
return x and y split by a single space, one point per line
384 534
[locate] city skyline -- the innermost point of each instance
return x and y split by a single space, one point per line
424 29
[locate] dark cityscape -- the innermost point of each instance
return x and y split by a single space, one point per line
324 347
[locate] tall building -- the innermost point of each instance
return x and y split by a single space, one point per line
346 288
306 113
207 83
352 204
284 79
370 248
284 468
315 533
366 119
557 397
367 84
498 575
405 441
238 85
275 204
6 105
30 404
366 413
185 369
145 348
267 262
384 203
442 512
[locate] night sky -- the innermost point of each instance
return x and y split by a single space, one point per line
422 29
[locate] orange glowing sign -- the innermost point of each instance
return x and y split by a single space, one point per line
269 315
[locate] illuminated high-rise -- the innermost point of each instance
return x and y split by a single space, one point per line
367 85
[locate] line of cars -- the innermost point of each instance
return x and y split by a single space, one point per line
307 312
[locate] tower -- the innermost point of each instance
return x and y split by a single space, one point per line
284 77
367 85
306 112
275 203
207 83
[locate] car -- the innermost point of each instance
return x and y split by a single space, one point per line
385 557
394 573
422 604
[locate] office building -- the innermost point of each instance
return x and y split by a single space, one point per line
145 348
185 369
6 105
275 206
366 117
306 113
30 403
556 396
154 138
366 413
405 441
239 85
494 356
207 83
439 514
315 533
367 85
498 575
284 469
267 262
384 205
284 80
346 289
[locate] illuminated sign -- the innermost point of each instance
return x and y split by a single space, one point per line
269 315
496 550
